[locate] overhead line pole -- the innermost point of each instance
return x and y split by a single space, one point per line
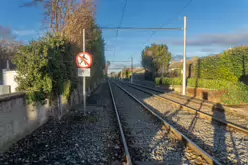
184 56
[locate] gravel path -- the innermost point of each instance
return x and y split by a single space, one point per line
147 138
74 140
226 145
223 115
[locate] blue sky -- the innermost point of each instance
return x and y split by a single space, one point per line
213 25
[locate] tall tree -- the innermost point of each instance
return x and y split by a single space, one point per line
67 17
113 74
156 58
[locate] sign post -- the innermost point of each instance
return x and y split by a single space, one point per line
84 82
84 62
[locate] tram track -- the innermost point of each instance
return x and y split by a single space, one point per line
148 138
225 144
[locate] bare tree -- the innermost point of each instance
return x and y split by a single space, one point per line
59 14
8 44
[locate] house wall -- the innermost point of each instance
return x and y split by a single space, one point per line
9 79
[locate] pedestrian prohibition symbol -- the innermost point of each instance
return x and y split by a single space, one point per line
84 60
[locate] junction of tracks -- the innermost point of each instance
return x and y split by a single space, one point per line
135 123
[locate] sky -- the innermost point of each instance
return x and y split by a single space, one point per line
212 25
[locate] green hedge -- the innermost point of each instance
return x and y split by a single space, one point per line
157 80
171 81
168 81
194 82
45 68
230 65
209 84
236 92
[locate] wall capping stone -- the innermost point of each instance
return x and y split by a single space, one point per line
7 97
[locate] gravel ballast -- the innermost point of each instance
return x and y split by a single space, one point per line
226 145
74 139
147 138
238 119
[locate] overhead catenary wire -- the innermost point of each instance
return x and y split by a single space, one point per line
154 32
168 20
122 17
121 20
139 28
120 61
145 28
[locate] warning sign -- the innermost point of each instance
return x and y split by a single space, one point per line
84 60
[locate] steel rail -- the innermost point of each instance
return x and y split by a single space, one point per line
201 114
206 103
128 157
198 101
175 132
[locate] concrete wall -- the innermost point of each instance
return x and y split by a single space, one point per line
18 119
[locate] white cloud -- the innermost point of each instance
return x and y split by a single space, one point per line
24 32
208 50
120 65
224 39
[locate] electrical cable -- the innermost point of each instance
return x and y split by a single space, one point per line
154 32
122 17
